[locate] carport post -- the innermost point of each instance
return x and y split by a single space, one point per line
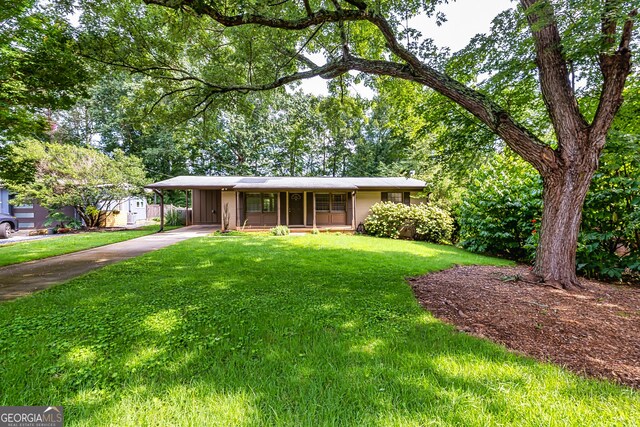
186 204
159 193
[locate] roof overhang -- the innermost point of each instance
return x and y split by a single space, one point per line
288 184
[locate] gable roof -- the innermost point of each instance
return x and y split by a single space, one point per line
243 183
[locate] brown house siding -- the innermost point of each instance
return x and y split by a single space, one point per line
206 207
34 216
283 207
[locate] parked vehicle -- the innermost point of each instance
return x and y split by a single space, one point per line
8 225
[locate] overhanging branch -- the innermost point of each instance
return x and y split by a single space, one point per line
497 119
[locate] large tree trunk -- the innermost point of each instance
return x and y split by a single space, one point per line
563 199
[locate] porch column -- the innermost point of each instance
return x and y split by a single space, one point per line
314 209
287 207
237 209
278 205
186 207
353 210
304 208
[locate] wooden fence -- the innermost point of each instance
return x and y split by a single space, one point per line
153 211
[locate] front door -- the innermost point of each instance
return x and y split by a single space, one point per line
296 209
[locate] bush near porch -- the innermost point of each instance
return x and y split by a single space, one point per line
417 222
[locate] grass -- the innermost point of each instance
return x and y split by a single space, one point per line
14 253
262 331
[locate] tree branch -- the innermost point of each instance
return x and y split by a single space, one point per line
497 119
315 18
555 84
615 68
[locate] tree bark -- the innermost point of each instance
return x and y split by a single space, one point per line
563 198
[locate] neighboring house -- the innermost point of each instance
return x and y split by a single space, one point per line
29 215
5 208
341 203
130 211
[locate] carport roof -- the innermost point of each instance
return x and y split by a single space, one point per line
244 183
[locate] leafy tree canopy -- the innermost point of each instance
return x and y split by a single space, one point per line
39 67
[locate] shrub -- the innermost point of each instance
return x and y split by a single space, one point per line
419 222
174 217
501 209
280 230
431 224
60 220
609 242
315 231
386 219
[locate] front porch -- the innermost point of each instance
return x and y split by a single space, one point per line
303 229
260 210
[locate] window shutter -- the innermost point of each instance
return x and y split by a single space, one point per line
385 196
407 198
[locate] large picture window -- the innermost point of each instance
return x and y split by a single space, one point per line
322 202
331 202
254 202
339 202
261 202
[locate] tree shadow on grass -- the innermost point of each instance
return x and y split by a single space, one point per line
267 331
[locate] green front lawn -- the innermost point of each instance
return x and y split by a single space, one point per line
14 253
260 330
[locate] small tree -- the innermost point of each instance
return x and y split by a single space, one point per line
67 175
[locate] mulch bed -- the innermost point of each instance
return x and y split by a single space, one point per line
594 331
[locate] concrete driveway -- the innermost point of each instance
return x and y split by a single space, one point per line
22 279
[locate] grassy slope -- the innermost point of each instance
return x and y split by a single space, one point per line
18 252
260 330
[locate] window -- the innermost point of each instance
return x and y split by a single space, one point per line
334 202
269 202
25 206
261 202
339 202
254 202
395 197
322 202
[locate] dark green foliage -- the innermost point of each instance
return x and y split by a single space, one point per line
174 217
40 70
60 220
610 240
418 222
500 210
